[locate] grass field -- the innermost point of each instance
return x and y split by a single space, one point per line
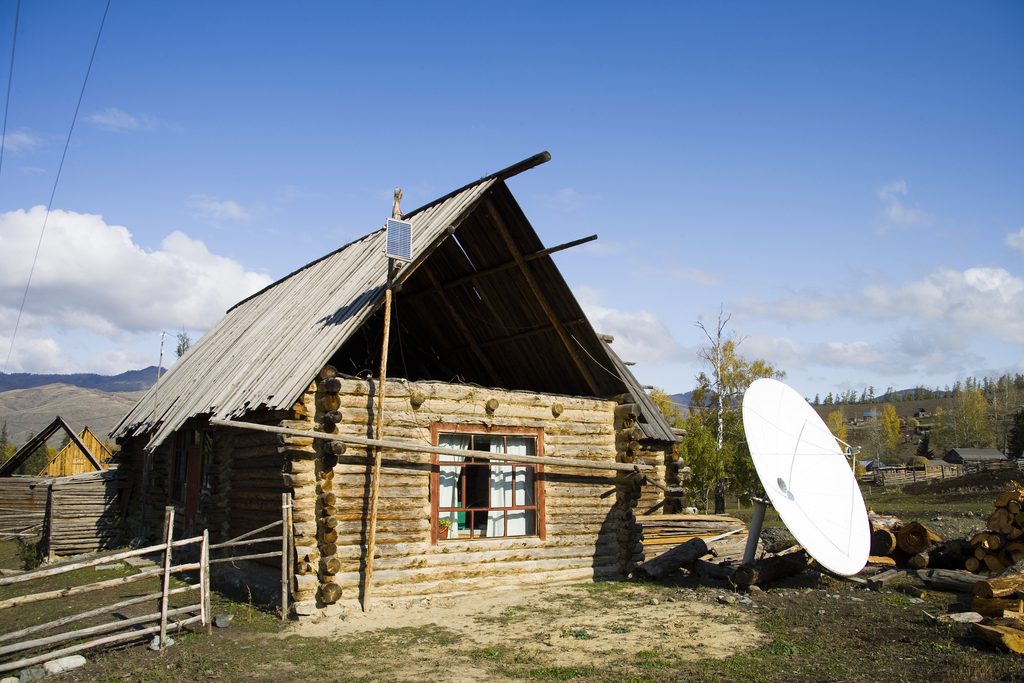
812 628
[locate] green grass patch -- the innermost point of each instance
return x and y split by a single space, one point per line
562 673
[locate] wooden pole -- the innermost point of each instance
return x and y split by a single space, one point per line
285 509
204 582
405 446
168 533
371 538
291 546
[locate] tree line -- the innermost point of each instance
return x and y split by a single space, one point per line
981 413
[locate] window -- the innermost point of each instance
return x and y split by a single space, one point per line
477 498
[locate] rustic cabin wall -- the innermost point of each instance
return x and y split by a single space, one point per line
589 530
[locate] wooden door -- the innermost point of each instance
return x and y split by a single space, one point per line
192 476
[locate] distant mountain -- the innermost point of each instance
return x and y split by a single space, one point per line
28 411
133 380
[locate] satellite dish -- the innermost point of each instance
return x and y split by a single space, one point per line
399 240
807 477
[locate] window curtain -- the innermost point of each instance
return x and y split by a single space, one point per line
448 480
520 522
501 492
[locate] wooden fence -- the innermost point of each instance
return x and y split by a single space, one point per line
77 514
166 618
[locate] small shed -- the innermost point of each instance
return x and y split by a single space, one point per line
490 355
72 460
974 456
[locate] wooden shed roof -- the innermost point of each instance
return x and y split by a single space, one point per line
482 302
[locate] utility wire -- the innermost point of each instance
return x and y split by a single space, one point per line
10 77
49 206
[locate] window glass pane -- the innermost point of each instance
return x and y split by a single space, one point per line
449 491
477 486
518 445
520 522
524 486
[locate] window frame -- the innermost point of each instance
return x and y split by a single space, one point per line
438 428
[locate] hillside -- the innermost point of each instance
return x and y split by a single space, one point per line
27 411
133 380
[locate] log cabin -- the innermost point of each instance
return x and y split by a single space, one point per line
489 354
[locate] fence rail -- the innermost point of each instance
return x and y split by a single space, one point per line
165 618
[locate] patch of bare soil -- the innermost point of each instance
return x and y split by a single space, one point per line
988 480
567 626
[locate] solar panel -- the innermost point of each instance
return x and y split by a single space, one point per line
399 235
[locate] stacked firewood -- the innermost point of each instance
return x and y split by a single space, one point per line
664 532
1002 544
915 546
999 600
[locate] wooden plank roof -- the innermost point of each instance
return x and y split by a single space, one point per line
482 302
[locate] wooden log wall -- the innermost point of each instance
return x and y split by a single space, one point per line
22 502
591 530
85 514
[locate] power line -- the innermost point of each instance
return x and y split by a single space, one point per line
49 206
10 76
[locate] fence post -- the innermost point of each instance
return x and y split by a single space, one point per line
204 582
168 533
48 525
286 510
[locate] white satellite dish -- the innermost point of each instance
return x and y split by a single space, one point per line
807 477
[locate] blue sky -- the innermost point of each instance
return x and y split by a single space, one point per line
845 180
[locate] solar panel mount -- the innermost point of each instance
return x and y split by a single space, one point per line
399 240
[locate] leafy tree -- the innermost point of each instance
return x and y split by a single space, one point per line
669 410
891 426
1015 440
714 446
817 400
837 425
184 342
7 449
966 424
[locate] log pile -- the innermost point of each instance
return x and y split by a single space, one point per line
914 546
1001 600
1002 543
664 532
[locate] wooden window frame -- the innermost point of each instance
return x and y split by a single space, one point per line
438 428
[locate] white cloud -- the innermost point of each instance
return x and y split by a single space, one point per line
32 170
91 277
974 301
693 275
639 336
567 199
598 248
1016 241
20 141
213 210
113 119
898 216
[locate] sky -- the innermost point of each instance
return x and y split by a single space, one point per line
842 182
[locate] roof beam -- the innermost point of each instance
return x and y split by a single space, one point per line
541 299
518 335
501 267
457 319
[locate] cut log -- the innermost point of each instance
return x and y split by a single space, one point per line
669 561
973 564
995 607
883 542
949 580
915 537
881 561
711 570
1002 637
1001 521
330 593
769 569
995 564
880 581
1001 587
